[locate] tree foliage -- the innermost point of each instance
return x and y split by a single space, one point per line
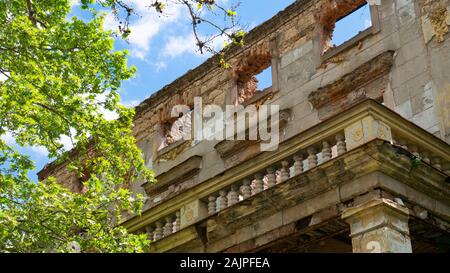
58 76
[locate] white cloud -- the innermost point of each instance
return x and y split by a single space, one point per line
149 24
109 115
179 45
8 138
66 142
160 65
40 150
187 44
131 103
146 27
110 23
4 77
219 42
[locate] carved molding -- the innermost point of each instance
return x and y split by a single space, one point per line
369 71
229 148
179 173
172 151
261 97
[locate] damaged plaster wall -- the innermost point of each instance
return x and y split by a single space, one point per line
420 81
438 13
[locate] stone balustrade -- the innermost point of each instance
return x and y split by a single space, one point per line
267 177
422 154
332 138
163 227
302 161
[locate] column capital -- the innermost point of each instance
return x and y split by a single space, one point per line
376 205
379 225
365 130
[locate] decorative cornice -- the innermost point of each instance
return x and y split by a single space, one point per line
369 71
186 169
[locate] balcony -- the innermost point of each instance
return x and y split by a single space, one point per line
308 185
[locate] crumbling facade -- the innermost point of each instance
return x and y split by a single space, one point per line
363 163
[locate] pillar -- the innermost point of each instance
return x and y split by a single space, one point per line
379 226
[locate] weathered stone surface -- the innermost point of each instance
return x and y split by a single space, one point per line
192 213
296 53
365 131
236 151
350 82
185 170
379 226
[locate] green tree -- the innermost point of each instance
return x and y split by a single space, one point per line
58 76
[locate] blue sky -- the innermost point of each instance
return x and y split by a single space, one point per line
357 21
172 52
162 49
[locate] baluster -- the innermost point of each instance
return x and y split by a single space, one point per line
446 168
177 222
265 182
402 143
414 150
326 151
158 231
426 157
211 204
312 157
298 164
436 162
259 185
284 171
246 189
168 228
222 200
233 196
341 146
278 176
149 230
271 177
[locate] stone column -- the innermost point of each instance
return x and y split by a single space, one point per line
379 226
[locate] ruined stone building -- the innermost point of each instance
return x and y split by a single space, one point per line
363 161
